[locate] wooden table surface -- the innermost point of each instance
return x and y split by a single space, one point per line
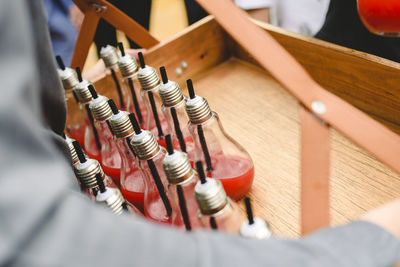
256 111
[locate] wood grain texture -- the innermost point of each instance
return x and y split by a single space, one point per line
370 83
269 130
203 48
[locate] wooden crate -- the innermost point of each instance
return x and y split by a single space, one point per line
263 117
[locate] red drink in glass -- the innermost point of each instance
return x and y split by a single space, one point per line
381 17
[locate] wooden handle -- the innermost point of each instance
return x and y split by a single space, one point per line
96 9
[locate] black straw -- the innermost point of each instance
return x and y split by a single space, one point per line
213 223
200 171
121 48
155 114
183 208
79 152
141 60
135 101
109 127
170 147
92 91
100 183
118 87
135 124
125 206
75 96
164 75
249 210
60 62
190 89
204 147
95 133
79 74
128 141
178 131
113 107
160 186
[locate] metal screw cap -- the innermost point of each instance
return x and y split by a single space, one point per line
210 196
100 108
68 78
111 198
145 145
109 55
82 92
74 156
198 110
258 230
148 78
177 167
120 124
170 93
128 66
86 172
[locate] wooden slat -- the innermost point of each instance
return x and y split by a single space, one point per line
203 48
85 37
130 27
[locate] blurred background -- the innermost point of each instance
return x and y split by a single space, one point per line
165 18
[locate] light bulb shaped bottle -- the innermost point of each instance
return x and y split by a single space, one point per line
91 144
129 70
86 171
110 157
113 199
150 83
131 176
173 107
75 125
150 154
216 209
110 57
224 158
254 227
182 181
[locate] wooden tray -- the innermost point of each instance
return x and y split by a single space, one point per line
263 117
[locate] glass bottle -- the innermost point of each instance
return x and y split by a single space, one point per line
381 17
150 83
224 158
254 227
157 205
131 177
113 199
173 107
75 125
182 181
129 70
91 144
110 157
86 171
110 57
215 205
